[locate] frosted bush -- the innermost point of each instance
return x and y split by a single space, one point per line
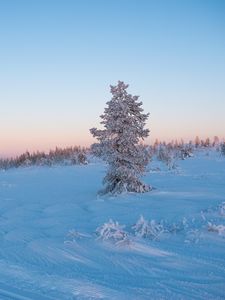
186 152
222 148
113 232
141 227
220 229
168 156
148 229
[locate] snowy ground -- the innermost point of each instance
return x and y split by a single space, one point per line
43 257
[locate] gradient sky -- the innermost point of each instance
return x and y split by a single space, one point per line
58 58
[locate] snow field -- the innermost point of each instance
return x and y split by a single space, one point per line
52 246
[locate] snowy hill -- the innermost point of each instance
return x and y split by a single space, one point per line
50 248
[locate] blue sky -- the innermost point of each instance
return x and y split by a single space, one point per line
58 58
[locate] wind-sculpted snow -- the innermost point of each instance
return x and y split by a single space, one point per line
60 240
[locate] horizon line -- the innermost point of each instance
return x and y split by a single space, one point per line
13 154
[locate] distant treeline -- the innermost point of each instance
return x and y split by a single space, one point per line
171 152
196 143
167 152
65 156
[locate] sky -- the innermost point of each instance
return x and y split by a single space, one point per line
58 58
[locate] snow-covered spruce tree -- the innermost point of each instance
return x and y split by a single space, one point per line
119 146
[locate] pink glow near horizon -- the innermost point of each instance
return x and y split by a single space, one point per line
34 135
13 147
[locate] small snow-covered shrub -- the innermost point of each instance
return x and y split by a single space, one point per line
220 229
168 156
183 225
148 229
113 232
186 152
222 149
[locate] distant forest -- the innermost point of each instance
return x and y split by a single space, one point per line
164 151
66 156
